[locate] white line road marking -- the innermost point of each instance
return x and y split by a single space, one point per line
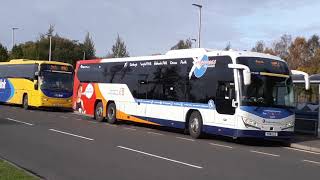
71 134
128 128
220 145
268 154
79 119
314 162
155 133
64 117
160 157
19 121
185 138
301 150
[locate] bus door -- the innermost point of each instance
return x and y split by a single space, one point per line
141 105
225 98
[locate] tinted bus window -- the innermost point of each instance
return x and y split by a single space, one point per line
203 89
18 71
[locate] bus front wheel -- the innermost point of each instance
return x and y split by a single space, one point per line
25 103
111 113
98 112
195 125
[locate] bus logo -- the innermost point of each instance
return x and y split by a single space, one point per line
200 65
2 83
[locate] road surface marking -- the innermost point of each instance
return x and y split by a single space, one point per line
185 138
268 154
314 162
78 119
160 157
71 134
155 133
64 117
301 150
128 128
19 121
220 145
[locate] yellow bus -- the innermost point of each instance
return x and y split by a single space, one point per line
33 83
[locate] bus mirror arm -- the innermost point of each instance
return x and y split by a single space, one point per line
305 75
246 72
35 84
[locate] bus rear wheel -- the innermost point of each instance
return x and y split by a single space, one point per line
25 103
111 113
98 112
195 125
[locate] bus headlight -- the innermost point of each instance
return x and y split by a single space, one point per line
250 122
69 100
289 124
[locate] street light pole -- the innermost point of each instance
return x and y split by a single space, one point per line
199 31
50 36
195 40
13 29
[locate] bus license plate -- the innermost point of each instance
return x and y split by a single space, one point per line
271 134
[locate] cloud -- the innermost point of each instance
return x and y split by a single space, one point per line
153 26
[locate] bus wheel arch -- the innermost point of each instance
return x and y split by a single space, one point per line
25 101
111 112
98 111
194 123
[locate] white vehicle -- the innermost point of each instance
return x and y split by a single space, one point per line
230 93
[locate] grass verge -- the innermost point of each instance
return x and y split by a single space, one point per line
10 172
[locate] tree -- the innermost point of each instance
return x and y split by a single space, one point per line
228 46
16 52
3 53
259 47
88 47
119 49
298 52
182 44
281 48
313 45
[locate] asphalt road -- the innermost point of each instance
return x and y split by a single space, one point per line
61 145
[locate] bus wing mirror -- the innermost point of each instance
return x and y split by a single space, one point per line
36 73
305 75
246 72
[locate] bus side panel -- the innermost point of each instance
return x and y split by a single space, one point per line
7 90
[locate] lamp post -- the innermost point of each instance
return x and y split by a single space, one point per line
50 37
13 29
195 40
199 31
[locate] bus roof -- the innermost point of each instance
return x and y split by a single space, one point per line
186 53
29 61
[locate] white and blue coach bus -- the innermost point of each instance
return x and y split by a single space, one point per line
229 93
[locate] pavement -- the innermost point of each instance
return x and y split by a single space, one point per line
60 145
306 142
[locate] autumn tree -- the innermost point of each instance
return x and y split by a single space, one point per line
281 47
259 47
298 51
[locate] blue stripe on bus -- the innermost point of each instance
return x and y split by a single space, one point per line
209 105
267 112
215 130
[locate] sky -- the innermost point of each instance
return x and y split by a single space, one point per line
154 26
